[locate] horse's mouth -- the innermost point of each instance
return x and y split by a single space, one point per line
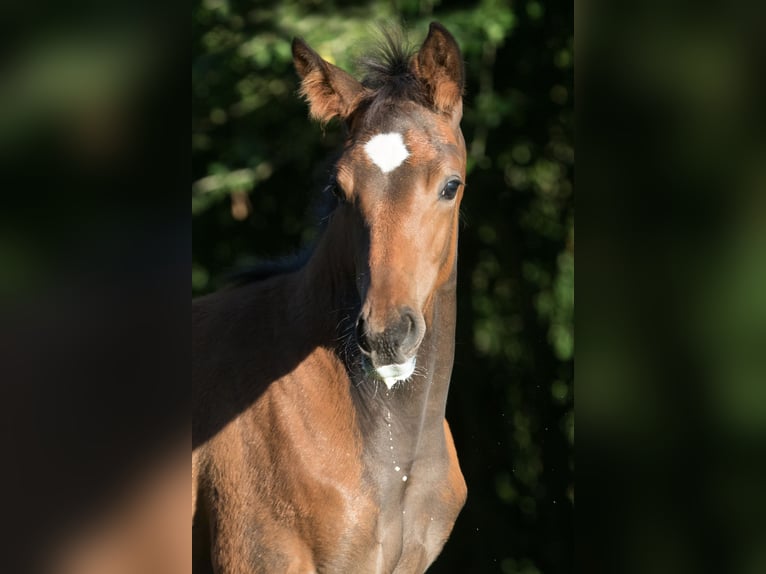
393 373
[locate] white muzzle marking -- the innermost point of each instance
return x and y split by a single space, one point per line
392 374
387 151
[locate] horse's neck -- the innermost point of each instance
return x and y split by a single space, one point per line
326 290
411 414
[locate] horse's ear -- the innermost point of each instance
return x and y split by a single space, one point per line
439 65
329 90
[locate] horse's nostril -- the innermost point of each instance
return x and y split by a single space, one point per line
361 335
410 323
410 330
396 342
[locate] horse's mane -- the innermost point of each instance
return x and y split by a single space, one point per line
386 72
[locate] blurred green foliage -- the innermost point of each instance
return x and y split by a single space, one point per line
258 163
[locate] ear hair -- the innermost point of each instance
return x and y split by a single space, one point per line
439 65
329 90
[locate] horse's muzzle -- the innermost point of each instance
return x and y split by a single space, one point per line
396 342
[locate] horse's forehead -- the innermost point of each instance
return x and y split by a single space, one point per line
416 139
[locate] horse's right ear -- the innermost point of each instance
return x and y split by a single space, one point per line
329 90
439 65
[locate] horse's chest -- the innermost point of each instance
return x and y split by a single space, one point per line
414 531
378 530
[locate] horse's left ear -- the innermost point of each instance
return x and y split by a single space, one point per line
439 65
329 90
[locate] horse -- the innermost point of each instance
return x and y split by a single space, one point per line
320 443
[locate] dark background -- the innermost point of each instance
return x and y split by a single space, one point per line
258 164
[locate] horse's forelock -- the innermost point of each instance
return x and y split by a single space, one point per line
387 74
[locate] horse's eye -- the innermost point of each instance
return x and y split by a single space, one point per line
450 190
335 189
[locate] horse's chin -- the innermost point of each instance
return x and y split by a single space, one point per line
392 373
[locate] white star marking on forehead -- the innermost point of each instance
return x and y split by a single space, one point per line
387 151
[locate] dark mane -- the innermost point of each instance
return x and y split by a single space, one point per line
267 269
386 71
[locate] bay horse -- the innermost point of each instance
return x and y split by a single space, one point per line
320 443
